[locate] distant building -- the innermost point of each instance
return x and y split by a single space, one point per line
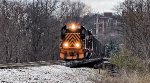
106 25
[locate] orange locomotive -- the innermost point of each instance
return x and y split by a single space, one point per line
77 43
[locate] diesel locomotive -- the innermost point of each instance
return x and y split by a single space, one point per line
78 43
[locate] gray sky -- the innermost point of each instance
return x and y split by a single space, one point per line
101 5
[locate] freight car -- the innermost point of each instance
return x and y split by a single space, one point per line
78 43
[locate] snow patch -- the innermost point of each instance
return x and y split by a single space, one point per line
49 74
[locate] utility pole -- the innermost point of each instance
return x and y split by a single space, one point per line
97 26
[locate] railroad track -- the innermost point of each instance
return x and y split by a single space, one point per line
27 64
73 64
80 63
92 63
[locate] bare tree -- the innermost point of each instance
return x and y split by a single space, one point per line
30 30
73 11
136 27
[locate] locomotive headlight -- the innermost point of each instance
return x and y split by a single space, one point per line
73 27
77 45
65 44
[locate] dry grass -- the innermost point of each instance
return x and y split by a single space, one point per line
124 76
132 69
133 77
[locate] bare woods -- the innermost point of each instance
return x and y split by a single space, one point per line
136 27
29 29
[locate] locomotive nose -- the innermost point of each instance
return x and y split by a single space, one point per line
71 53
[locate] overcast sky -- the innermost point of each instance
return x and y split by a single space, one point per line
101 5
